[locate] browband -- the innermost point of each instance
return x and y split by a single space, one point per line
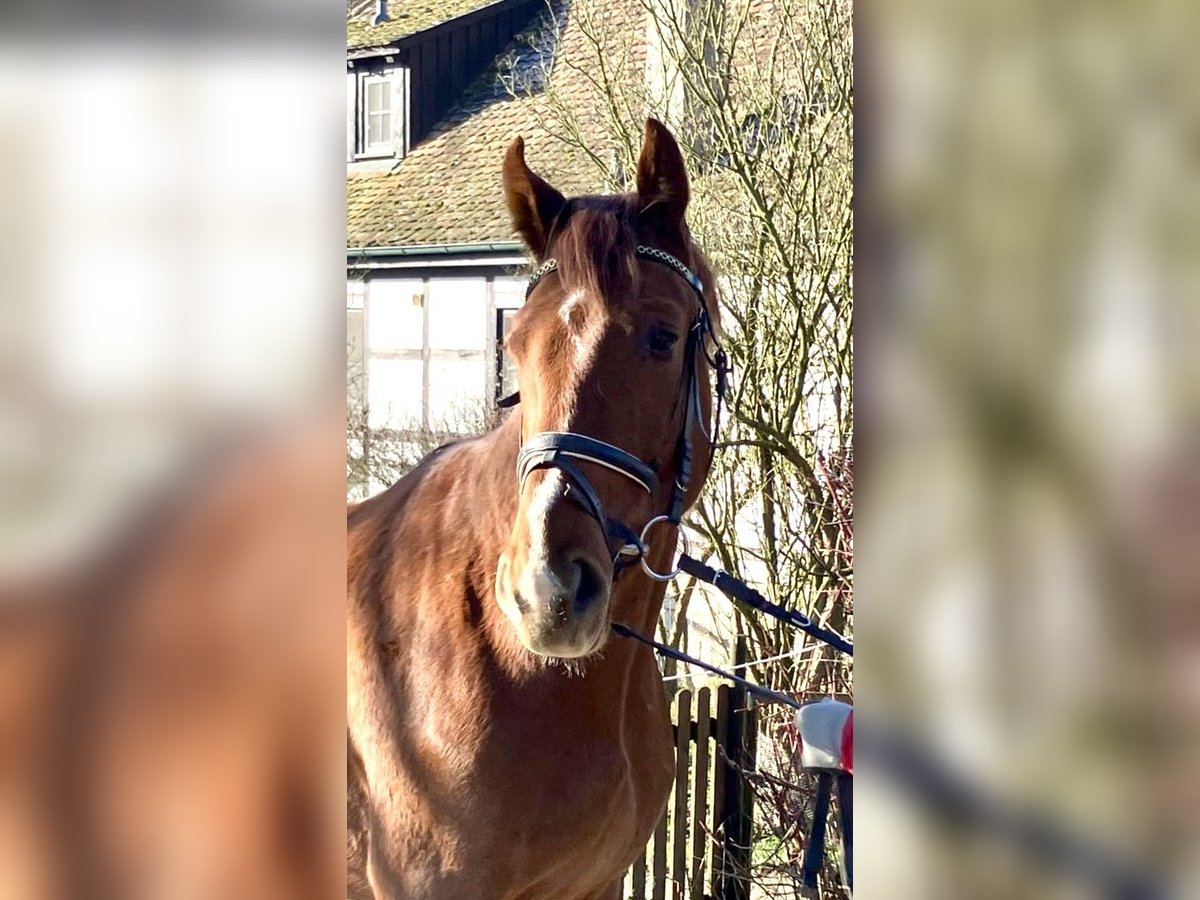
653 254
662 257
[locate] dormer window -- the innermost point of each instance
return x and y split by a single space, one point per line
381 121
377 114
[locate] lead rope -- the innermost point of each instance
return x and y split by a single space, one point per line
667 650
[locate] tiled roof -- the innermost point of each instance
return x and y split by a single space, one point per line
448 189
405 18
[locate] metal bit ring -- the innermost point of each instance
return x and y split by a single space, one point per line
687 546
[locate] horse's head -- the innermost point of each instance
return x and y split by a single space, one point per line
612 350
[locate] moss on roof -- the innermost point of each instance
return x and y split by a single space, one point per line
448 189
405 18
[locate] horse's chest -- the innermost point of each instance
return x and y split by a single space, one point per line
590 799
519 792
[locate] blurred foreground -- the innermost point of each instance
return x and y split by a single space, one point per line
172 709
171 453
1028 386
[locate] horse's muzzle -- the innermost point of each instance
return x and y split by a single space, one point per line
557 610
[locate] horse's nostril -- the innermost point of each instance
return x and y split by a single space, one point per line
522 604
589 585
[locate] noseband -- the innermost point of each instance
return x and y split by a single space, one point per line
562 449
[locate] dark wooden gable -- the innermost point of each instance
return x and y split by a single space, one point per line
443 60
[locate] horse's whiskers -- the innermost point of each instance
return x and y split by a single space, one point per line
575 667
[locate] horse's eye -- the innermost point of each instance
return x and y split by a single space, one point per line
660 340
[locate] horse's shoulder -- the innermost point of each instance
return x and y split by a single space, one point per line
408 512
394 500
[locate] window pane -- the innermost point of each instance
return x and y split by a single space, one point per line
395 320
394 392
458 314
379 96
379 129
456 394
510 292
510 295
508 365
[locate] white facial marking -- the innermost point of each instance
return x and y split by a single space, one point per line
584 340
568 306
537 580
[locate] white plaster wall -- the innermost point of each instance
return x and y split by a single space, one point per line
449 317
394 323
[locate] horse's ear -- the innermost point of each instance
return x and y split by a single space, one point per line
532 203
662 182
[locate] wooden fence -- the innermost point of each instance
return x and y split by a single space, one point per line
701 847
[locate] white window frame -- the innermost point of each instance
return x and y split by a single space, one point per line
387 147
396 83
503 303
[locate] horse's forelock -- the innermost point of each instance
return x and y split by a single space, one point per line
596 245
595 242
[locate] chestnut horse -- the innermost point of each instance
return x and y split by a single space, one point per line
501 745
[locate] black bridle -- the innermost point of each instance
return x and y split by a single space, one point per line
561 449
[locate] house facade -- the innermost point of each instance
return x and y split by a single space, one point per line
436 92
432 266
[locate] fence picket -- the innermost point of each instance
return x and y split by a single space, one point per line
679 829
719 806
744 739
638 885
713 787
659 889
700 838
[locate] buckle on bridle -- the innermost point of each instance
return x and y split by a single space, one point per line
632 547
630 551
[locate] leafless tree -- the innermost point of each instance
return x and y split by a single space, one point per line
379 457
